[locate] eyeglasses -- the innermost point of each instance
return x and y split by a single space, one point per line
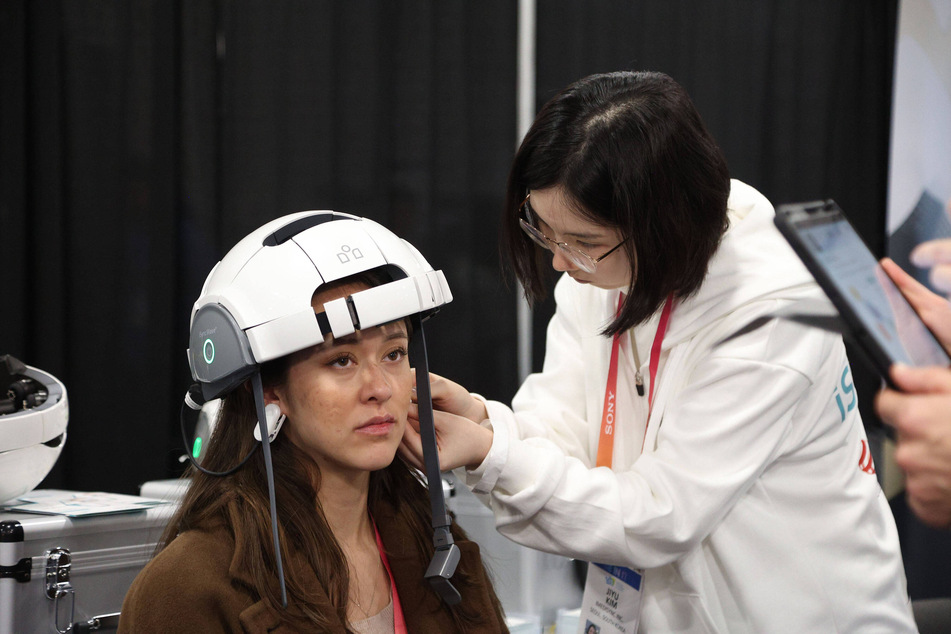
588 264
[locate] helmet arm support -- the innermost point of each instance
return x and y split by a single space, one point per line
446 557
258 389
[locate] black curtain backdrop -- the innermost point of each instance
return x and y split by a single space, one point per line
139 140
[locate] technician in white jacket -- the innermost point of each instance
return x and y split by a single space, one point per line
735 478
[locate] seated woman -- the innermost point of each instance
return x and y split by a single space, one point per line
354 523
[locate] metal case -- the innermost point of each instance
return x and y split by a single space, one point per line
61 574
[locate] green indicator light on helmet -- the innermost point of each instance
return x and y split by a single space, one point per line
208 350
196 448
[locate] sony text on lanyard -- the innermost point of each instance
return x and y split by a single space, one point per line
612 594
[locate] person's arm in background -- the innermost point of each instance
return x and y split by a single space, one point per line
921 411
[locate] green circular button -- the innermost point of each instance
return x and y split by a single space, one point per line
209 351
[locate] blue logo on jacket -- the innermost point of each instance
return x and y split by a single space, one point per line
845 390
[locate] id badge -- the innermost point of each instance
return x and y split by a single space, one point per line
612 600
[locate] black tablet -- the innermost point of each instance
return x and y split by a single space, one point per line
877 316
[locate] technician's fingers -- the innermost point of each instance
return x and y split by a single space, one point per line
931 253
449 396
439 387
409 456
932 504
934 309
914 417
933 380
917 294
940 277
936 255
887 405
411 445
444 390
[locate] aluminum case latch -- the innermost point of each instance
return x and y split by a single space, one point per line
58 563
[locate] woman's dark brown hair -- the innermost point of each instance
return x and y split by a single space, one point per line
631 153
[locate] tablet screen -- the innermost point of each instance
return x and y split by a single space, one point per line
875 301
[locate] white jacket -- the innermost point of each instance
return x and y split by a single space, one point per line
754 506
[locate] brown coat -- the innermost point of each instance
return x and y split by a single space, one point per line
195 585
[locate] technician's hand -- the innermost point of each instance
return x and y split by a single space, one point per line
921 416
461 442
933 309
455 399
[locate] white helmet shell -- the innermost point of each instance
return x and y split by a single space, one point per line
256 303
32 439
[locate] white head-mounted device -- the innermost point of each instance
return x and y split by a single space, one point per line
256 303
33 432
256 306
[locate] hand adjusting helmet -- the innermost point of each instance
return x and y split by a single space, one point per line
255 306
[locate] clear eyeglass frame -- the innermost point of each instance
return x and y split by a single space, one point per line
579 258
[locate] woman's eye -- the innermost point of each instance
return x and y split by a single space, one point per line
586 246
396 355
342 361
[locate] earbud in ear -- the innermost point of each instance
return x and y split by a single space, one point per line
274 419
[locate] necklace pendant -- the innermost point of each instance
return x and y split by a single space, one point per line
639 383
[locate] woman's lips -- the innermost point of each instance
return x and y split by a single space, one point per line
377 426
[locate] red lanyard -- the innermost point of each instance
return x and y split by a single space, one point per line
609 412
399 622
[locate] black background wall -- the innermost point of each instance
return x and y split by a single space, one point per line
139 140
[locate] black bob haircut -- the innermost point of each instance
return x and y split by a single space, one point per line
631 152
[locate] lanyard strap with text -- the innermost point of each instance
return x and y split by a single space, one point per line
609 412
399 622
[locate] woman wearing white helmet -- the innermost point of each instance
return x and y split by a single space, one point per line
353 522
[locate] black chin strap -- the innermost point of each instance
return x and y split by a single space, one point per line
446 557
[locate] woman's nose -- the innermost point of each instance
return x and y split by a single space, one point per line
560 262
376 385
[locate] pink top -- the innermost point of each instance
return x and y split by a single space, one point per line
399 624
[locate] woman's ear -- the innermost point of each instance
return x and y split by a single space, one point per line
271 395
